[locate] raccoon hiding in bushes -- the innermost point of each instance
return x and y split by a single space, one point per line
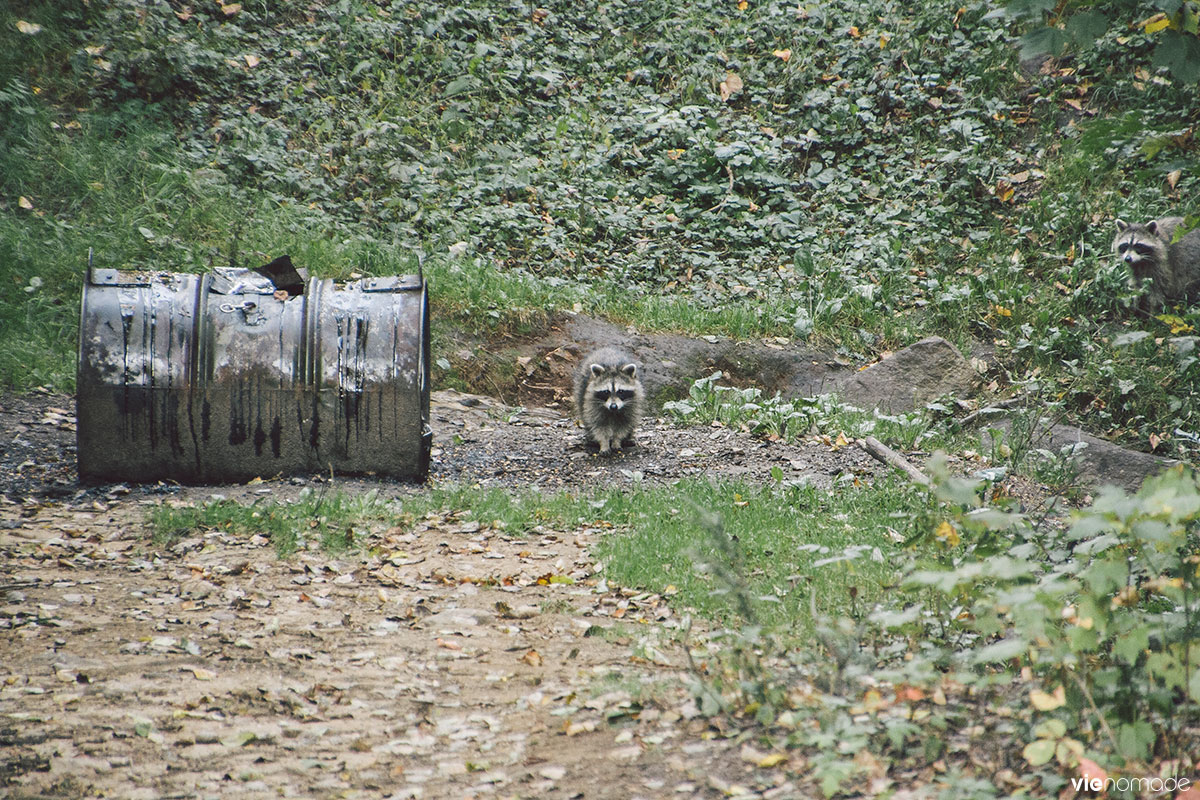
1172 269
608 397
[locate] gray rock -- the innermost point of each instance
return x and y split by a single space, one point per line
1099 463
911 378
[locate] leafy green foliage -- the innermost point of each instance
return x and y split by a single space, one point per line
789 420
1107 611
1059 27
878 176
1087 637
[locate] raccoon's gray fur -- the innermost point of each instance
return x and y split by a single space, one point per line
1173 270
608 397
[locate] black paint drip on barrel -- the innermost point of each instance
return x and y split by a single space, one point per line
237 419
276 436
260 438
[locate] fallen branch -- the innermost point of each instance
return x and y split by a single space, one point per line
994 408
881 452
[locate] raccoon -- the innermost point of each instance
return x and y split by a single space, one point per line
608 397
1173 270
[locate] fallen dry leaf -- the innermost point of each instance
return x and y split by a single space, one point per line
731 85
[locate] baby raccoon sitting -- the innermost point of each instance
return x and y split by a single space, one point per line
1173 269
608 397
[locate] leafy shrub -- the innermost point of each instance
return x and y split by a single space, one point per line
777 418
1087 635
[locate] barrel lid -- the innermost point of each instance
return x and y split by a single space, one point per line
239 280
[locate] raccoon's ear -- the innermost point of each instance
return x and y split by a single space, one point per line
1152 226
597 370
630 370
1122 225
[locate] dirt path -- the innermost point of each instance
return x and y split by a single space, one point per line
214 669
443 660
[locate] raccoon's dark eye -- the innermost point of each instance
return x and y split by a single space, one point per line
625 394
602 394
1143 249
1122 247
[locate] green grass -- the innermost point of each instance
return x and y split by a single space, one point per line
331 521
660 539
795 548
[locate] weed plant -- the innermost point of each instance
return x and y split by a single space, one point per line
1073 649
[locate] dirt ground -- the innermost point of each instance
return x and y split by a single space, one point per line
461 664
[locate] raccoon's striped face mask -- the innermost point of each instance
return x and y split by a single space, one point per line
613 390
1131 250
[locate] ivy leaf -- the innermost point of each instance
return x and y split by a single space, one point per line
1039 752
1179 53
1044 41
1086 27
1135 740
1029 9
1050 729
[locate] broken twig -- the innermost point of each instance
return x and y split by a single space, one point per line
887 455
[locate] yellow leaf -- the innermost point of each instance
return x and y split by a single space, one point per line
231 9
854 31
841 440
1176 324
743 5
251 61
946 532
203 674
1048 702
783 55
28 27
1004 312
25 203
884 38
873 700
1157 23
773 760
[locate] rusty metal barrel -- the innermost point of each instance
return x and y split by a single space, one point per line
226 377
